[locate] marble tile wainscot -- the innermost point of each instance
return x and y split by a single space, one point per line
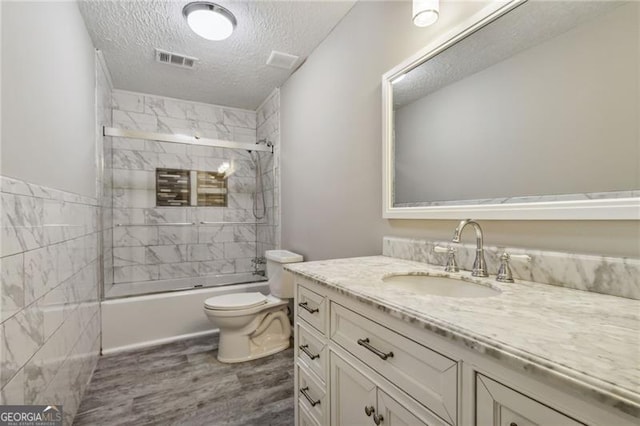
49 312
598 274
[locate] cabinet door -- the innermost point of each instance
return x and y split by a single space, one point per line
498 405
351 393
395 414
426 375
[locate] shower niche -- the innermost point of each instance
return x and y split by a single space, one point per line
181 188
173 187
211 189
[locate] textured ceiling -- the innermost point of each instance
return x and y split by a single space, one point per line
232 72
526 26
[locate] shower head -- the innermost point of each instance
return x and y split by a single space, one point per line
265 141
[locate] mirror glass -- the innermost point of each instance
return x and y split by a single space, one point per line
541 104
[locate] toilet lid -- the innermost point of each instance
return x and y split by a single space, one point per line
229 302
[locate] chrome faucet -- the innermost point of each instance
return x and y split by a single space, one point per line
479 264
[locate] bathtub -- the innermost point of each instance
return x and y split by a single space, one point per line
140 321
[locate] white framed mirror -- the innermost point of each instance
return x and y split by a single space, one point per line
527 111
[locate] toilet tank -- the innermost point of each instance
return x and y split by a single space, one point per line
281 281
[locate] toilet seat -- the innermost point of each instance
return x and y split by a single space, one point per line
270 302
235 301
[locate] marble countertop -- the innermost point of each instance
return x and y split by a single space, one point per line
587 341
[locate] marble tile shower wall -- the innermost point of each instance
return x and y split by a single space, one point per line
104 149
49 312
268 117
147 249
598 274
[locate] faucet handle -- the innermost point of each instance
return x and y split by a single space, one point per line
504 273
452 264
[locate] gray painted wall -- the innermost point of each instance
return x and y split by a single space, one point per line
48 96
331 149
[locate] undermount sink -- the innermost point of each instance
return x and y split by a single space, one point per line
439 286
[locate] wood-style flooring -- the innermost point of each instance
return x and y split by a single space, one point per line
184 384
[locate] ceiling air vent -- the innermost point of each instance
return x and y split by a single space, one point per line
282 60
175 59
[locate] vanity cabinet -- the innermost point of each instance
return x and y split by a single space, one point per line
499 405
346 363
357 365
357 400
424 374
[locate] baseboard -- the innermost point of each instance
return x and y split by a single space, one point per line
157 342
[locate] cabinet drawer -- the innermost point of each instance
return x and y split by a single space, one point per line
312 350
498 405
311 395
429 377
312 307
305 418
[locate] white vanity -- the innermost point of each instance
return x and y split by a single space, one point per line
370 352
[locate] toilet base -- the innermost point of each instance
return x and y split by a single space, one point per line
252 335
267 352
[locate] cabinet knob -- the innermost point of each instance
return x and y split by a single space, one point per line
513 424
369 410
377 419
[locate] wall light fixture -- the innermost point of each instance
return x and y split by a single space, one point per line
425 12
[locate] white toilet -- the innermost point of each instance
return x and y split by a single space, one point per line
253 325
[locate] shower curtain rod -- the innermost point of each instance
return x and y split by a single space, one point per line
185 139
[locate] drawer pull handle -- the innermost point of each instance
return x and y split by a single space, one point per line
377 419
304 391
305 349
382 355
306 307
369 410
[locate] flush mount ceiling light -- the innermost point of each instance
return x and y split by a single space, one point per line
425 12
209 20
